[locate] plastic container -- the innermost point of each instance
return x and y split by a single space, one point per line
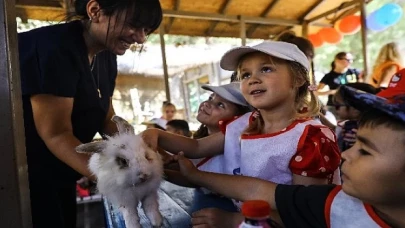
256 214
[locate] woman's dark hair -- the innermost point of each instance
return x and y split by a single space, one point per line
144 13
340 55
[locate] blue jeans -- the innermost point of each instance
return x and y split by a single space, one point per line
201 201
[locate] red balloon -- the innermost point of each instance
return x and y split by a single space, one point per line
350 24
330 35
315 39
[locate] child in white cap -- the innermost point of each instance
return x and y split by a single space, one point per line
373 171
280 141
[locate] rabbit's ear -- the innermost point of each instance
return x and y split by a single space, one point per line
123 125
92 147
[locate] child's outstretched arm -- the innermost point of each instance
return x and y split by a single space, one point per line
193 148
177 178
237 187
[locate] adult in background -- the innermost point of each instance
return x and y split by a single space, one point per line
388 62
340 74
68 74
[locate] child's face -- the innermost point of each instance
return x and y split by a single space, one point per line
215 109
344 112
169 112
173 130
264 83
374 168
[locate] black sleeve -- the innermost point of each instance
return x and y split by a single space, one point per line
48 69
301 207
325 80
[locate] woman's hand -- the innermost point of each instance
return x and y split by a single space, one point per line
150 137
187 167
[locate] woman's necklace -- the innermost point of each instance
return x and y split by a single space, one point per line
96 84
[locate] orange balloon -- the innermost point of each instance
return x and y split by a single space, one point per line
350 24
330 35
315 39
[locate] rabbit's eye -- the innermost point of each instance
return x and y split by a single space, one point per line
122 162
149 158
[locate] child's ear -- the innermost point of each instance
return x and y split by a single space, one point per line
299 81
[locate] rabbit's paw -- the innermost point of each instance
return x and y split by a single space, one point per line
156 219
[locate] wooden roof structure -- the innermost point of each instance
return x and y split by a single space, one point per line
261 19
256 19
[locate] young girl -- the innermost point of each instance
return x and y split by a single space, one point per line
388 62
168 111
279 141
340 74
225 104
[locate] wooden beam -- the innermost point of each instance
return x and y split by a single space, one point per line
311 9
266 11
41 13
58 14
305 29
227 18
223 9
176 7
342 6
363 14
15 209
242 30
165 71
345 13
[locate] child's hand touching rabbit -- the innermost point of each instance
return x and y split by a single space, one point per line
187 168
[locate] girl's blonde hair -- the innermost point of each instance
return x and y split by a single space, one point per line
306 102
167 104
389 52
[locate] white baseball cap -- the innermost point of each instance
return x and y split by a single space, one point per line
281 50
158 121
230 92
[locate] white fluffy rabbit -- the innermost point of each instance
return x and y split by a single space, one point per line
128 172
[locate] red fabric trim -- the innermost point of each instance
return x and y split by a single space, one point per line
224 123
259 136
328 203
375 217
202 162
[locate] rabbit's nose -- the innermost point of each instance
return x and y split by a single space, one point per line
143 177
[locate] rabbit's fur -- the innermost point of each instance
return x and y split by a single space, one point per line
128 172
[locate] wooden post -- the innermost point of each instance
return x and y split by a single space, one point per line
364 37
305 29
15 210
242 30
165 72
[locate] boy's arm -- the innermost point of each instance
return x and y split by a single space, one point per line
192 148
177 178
236 187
